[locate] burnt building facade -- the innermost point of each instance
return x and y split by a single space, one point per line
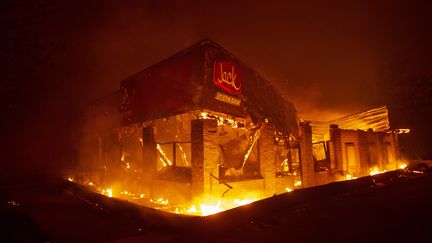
203 123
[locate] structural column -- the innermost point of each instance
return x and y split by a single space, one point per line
267 152
307 162
336 153
204 161
149 153
149 161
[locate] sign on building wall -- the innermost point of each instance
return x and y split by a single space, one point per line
227 76
227 99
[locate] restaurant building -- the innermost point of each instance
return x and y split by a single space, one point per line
202 122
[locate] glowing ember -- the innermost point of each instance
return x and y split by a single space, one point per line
13 203
107 192
297 183
204 115
250 146
401 131
70 179
184 157
417 172
221 120
163 162
288 189
165 158
160 201
232 122
239 202
211 209
192 210
375 170
125 193
350 177
206 207
202 210
402 166
285 165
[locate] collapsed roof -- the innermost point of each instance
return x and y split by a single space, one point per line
186 82
375 119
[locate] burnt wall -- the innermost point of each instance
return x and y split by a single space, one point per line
355 151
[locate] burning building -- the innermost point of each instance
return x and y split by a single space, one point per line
204 124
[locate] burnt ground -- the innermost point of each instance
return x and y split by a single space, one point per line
390 207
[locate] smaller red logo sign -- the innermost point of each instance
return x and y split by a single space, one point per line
227 77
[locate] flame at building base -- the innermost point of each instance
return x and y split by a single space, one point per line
201 206
375 170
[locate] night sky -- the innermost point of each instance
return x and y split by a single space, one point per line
330 58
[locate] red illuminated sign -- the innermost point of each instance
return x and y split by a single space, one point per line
228 77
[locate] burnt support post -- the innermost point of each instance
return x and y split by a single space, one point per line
307 162
380 148
204 161
364 152
290 162
174 157
336 140
149 153
267 152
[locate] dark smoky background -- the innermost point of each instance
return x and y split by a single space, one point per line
330 58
